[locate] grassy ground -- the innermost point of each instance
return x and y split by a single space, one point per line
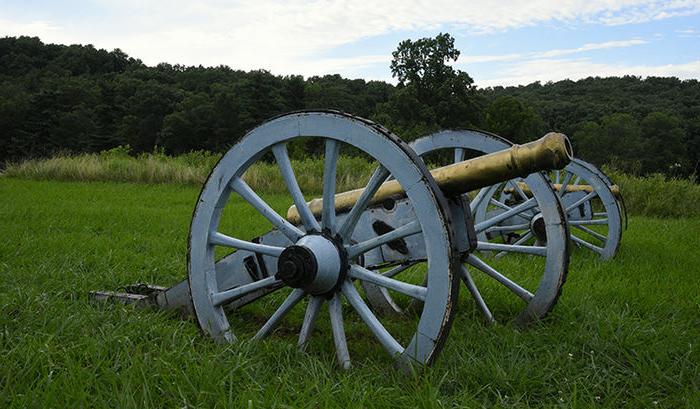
625 332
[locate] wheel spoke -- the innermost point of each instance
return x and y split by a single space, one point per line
335 308
365 246
469 282
527 236
414 291
285 166
587 222
508 228
516 211
593 233
398 269
383 336
292 300
309 323
586 244
522 207
518 189
219 239
227 296
581 201
459 155
565 184
524 294
375 181
478 199
330 167
288 229
528 215
512 248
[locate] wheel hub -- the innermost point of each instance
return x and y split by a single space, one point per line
314 264
297 266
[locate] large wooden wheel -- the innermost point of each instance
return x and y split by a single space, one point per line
538 223
593 211
318 261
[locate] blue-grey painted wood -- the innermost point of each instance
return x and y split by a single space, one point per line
544 201
383 336
210 281
335 310
411 290
307 327
292 299
228 296
478 298
581 210
404 231
330 160
375 181
498 276
290 180
512 248
514 211
604 176
242 188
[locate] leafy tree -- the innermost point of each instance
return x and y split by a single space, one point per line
663 149
692 146
190 126
423 62
512 119
617 140
431 94
586 143
145 104
83 99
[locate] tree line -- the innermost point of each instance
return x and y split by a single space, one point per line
58 98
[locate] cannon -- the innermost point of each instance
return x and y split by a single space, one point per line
541 216
594 206
403 238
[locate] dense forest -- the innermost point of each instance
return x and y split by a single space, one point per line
57 98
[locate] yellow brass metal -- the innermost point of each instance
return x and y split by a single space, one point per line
552 151
615 189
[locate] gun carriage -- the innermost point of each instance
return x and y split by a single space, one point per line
404 240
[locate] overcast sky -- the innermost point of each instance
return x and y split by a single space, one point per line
502 42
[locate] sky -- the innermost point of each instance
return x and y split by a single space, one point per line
501 42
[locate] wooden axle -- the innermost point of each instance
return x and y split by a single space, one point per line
615 189
552 151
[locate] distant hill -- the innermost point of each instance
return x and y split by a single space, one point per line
81 99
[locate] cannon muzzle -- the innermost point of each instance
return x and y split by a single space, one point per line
552 151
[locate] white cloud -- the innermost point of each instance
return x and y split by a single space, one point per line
36 28
465 60
589 47
477 59
558 69
688 33
292 36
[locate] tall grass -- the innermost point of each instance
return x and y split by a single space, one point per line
656 195
116 165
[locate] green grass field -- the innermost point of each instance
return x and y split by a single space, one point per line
624 334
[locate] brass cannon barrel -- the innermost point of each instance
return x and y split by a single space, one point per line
552 151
